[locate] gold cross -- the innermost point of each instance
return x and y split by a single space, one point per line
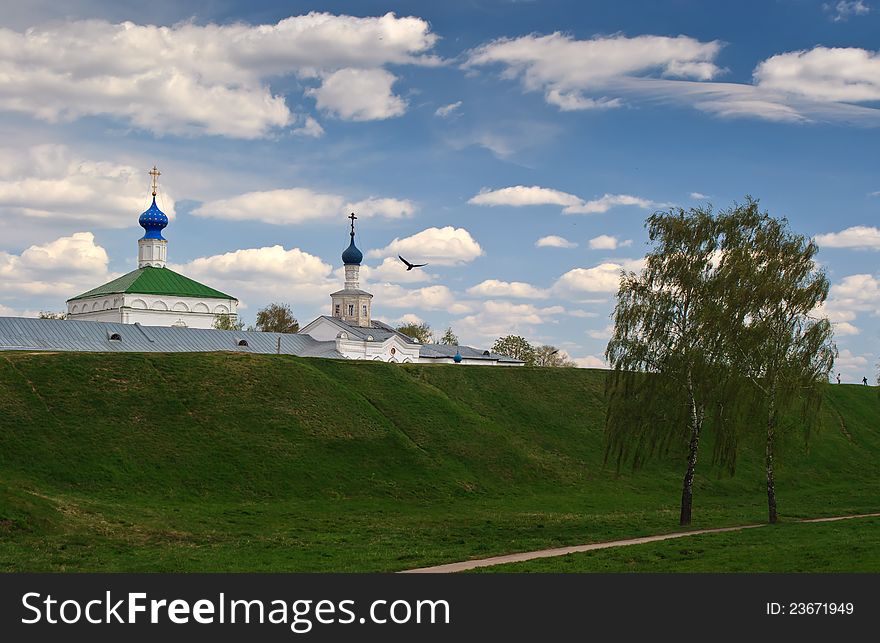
155 174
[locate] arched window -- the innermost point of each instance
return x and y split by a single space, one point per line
115 337
242 342
351 310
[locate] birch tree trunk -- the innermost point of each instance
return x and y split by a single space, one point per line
771 484
687 487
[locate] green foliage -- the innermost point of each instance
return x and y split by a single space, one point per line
516 347
51 315
772 286
276 318
449 338
552 357
227 321
421 332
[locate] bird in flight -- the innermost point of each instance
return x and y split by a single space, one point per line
410 266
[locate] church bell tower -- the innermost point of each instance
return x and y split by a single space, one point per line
351 304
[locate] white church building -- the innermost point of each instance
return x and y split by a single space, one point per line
155 309
153 294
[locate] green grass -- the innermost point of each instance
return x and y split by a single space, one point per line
230 462
844 546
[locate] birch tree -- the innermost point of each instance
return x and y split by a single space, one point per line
666 350
773 337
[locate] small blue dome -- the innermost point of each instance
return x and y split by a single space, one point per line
153 221
457 358
351 255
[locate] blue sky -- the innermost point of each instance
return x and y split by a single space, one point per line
515 146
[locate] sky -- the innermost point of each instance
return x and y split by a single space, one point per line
515 146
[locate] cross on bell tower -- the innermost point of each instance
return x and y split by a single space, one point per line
154 175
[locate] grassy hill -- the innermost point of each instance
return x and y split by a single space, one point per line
237 462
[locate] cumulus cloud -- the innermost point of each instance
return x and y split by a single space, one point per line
604 277
51 182
601 333
825 74
445 111
495 319
608 201
853 366
268 272
517 289
208 79
589 361
520 195
553 241
699 196
608 242
425 298
861 237
407 318
359 95
310 128
446 246
298 205
390 270
606 71
63 268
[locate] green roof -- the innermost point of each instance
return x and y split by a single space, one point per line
154 281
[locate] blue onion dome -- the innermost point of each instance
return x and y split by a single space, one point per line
351 255
457 358
153 221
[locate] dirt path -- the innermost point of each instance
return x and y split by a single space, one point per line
562 551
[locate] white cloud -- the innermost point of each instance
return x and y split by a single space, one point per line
359 95
311 128
445 111
298 205
584 314
446 246
426 298
553 241
390 270
269 272
499 318
520 195
63 268
608 201
699 196
837 74
563 68
589 361
408 318
518 289
845 328
604 277
861 237
50 182
205 79
382 207
604 71
853 365
608 242
603 334
855 293
844 9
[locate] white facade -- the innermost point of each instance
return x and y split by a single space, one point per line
391 349
151 310
152 252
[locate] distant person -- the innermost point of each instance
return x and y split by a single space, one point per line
865 381
838 378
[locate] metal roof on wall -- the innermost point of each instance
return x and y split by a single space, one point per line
21 333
